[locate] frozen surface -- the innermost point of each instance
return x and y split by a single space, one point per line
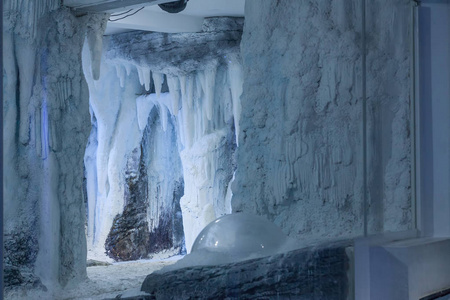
103 282
233 238
239 236
300 151
48 126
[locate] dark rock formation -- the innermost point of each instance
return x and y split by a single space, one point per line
96 263
20 278
21 248
129 236
148 189
300 274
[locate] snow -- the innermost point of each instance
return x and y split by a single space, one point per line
102 282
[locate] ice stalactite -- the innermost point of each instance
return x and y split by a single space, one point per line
208 88
158 79
115 135
236 79
26 58
184 112
174 87
120 71
147 78
95 41
207 157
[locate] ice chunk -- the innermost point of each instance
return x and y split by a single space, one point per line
240 236
233 238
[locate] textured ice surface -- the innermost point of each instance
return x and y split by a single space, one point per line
195 89
233 238
240 235
299 157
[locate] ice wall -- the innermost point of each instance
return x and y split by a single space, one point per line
300 150
189 85
389 91
46 130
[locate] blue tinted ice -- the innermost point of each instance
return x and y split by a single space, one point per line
240 236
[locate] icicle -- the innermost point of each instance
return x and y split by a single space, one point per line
128 69
190 86
174 89
164 116
146 75
38 136
140 74
95 43
198 88
120 74
54 143
201 78
188 125
158 80
210 81
144 105
181 129
235 78
182 80
44 130
26 65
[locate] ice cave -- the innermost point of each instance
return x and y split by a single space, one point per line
238 149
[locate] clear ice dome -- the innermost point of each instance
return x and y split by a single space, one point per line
240 235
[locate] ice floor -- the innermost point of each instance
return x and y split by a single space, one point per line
103 282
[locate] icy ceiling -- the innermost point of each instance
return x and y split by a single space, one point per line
152 18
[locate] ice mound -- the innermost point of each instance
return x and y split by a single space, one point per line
240 235
233 238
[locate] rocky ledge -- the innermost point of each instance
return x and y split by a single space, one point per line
310 273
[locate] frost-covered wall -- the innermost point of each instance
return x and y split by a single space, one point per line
389 55
164 111
46 119
300 151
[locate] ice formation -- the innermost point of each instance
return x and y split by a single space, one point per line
300 152
233 238
240 236
185 111
46 112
